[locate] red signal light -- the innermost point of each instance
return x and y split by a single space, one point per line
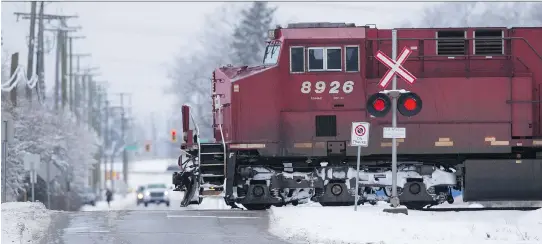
173 135
409 104
378 105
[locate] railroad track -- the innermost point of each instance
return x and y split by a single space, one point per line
479 209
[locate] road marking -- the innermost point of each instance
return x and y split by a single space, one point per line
211 216
83 230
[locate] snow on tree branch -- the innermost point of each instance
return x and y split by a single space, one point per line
490 14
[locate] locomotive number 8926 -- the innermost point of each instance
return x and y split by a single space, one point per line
334 87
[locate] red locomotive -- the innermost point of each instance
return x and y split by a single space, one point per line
282 129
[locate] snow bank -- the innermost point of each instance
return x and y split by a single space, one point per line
24 222
119 203
341 225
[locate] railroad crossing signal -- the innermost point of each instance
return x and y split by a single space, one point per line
395 67
378 104
173 135
408 104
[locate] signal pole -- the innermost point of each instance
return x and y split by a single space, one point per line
394 198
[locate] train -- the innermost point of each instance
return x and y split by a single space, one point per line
282 128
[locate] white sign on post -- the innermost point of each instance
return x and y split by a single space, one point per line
31 161
397 132
360 134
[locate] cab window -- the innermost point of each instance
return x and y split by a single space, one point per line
325 58
297 59
352 58
272 52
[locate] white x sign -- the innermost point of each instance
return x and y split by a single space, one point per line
395 67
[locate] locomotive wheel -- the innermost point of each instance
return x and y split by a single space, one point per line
254 206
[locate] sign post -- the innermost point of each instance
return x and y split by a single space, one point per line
359 138
395 68
32 164
7 137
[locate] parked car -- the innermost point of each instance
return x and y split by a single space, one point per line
156 193
89 196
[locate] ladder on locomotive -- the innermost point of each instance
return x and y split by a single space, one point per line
212 166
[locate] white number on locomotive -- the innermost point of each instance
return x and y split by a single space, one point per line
320 87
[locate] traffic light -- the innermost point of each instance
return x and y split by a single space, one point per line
409 104
173 135
378 105
147 147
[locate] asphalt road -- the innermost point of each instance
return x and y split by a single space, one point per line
161 226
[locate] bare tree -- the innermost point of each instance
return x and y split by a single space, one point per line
250 34
191 73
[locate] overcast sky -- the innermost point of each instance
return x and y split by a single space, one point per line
134 42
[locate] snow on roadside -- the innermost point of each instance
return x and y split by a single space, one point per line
211 202
119 203
341 225
24 222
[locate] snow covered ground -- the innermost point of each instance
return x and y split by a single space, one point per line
24 222
311 223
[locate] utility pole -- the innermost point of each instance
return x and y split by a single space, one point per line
42 17
72 77
90 100
76 80
61 63
64 67
153 125
81 93
106 141
123 136
14 64
40 86
57 69
30 64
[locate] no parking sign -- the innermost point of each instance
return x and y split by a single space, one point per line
360 134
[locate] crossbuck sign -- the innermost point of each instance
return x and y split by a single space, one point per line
395 67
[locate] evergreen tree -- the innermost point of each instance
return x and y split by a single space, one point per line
251 33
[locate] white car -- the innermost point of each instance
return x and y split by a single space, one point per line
156 193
